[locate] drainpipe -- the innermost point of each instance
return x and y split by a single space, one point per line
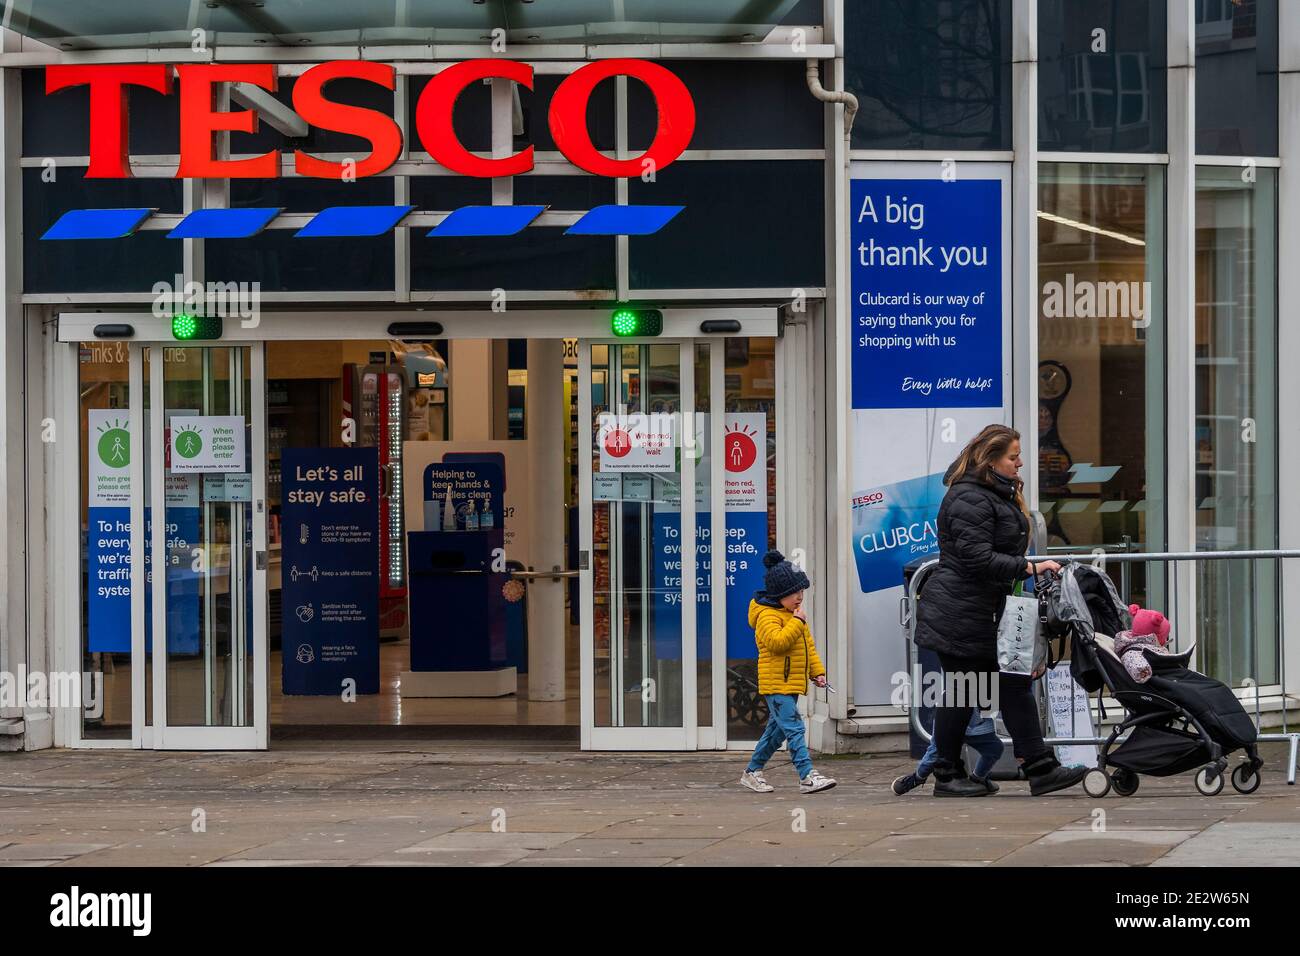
827 96
838 532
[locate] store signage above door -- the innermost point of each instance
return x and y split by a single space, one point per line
200 119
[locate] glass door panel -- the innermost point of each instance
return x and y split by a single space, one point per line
206 453
639 546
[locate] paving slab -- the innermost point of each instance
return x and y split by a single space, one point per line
982 848
479 840
749 854
1263 844
48 851
1113 848
451 857
440 804
599 848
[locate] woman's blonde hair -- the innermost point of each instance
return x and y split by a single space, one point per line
977 458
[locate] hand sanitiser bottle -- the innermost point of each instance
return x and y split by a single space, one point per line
471 518
448 513
487 519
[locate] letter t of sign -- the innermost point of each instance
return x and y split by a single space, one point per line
108 107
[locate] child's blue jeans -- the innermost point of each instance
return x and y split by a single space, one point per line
783 723
980 735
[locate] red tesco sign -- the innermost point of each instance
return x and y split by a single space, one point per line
199 118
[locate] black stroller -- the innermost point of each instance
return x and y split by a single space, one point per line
1177 720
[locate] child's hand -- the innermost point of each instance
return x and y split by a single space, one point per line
799 613
820 680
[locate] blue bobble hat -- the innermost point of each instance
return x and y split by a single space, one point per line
782 578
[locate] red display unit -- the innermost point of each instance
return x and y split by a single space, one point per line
374 398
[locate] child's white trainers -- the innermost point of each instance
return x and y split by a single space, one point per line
815 783
754 780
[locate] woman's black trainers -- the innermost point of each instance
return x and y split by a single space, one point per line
959 787
1046 775
986 783
906 783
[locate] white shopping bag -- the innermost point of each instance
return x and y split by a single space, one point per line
1019 649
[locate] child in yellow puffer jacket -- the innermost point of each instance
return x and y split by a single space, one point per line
787 660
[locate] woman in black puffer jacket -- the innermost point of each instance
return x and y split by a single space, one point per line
983 539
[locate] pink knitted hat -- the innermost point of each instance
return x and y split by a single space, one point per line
1146 621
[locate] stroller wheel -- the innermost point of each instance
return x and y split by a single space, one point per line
1096 783
1125 782
1245 778
1209 781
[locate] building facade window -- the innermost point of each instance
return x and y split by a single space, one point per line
1101 357
1101 75
929 74
1236 77
1236 420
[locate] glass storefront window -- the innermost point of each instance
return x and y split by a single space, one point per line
1236 421
739 104
637 620
1236 77
749 376
283 263
773 243
209 625
705 426
132 264
1101 357
929 74
1101 75
105 515
749 410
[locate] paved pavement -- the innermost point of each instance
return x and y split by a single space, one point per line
343 804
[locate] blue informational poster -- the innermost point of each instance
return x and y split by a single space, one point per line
477 487
893 525
108 546
746 545
108 570
744 486
927 293
181 539
329 567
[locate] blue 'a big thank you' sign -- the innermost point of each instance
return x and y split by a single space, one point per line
329 567
927 293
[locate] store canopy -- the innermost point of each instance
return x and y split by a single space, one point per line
168 24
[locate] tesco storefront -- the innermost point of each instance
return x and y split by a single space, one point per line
363 358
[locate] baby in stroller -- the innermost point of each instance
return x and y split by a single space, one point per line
1176 719
1149 633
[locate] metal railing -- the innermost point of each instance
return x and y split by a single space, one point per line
1125 559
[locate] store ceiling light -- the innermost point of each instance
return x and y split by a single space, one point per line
1086 227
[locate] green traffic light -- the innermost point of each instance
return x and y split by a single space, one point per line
625 322
636 322
187 327
184 326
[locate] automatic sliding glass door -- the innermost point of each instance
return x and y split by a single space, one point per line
202 418
638 546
